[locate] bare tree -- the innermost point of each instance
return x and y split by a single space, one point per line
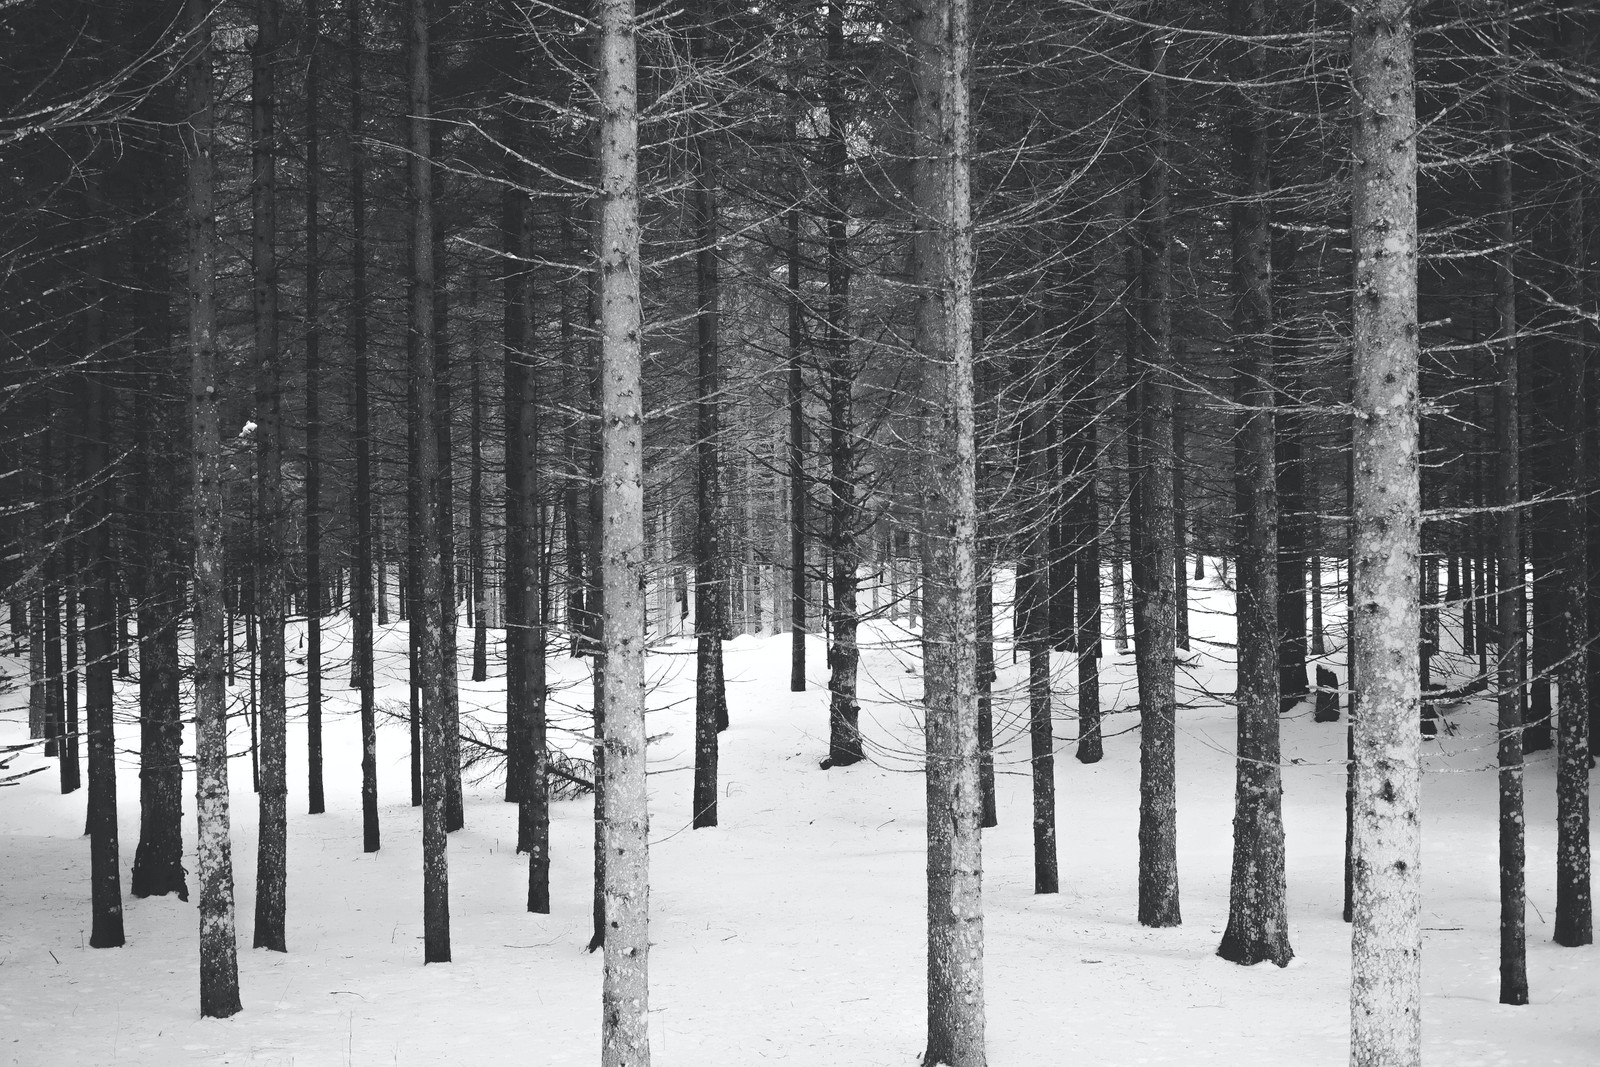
427 615
943 254
219 966
624 1034
1386 946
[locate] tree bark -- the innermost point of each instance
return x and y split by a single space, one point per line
1087 505
625 1038
158 858
271 557
362 592
1508 479
1386 946
99 604
1574 921
1258 926
844 654
315 605
219 969
427 611
943 257
1155 632
798 534
711 568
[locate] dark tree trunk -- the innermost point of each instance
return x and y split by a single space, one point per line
219 969
313 501
798 534
1574 921
54 718
69 752
158 859
99 595
844 654
427 582
269 602
1153 603
1258 926
478 604
361 611
1180 522
985 684
1292 681
711 568
1090 745
1508 485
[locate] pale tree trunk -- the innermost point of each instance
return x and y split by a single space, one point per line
710 565
313 502
219 966
1153 605
1386 946
624 1034
272 848
427 584
1508 478
1258 927
942 54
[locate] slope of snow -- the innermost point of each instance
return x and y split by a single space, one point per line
792 933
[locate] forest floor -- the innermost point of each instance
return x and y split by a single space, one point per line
793 933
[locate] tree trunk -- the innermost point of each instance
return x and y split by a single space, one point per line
315 606
158 859
1155 635
442 494
985 690
362 592
427 583
1293 683
711 567
1258 926
219 969
1034 601
71 778
943 257
1180 523
624 1037
798 534
1508 479
1574 922
478 589
1087 525
271 558
1386 947
844 654
99 604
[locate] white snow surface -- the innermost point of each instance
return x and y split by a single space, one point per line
793 932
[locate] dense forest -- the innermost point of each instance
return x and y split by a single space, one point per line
409 394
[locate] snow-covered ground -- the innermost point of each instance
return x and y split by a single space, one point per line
793 932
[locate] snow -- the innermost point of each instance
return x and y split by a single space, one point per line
792 933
